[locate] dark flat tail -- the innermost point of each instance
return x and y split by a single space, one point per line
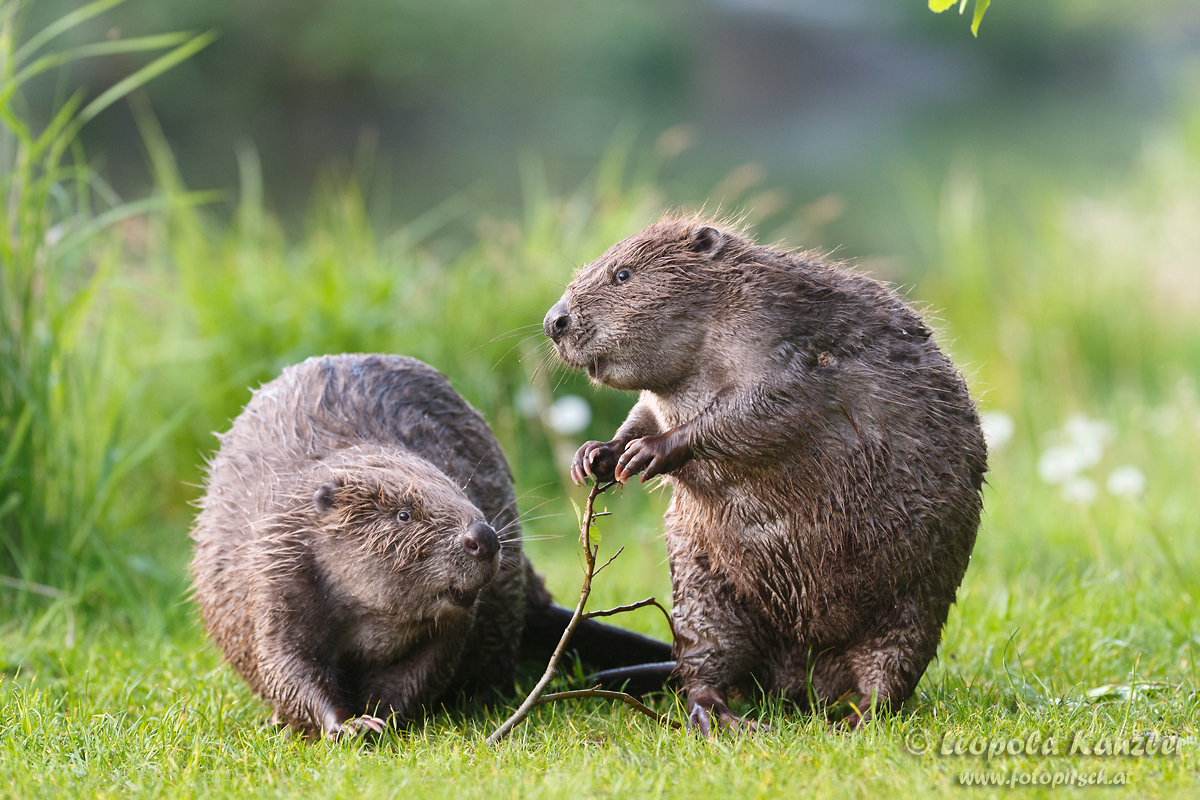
597 645
637 680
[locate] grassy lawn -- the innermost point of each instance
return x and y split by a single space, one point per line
133 329
1040 643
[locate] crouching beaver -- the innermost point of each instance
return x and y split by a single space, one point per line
826 459
358 551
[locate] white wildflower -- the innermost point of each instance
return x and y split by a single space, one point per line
1059 464
1083 447
526 402
1126 481
998 428
54 234
1088 438
569 415
1079 490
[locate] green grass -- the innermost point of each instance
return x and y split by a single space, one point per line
126 711
133 330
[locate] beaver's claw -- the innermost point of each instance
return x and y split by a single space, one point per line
653 455
365 726
709 714
596 460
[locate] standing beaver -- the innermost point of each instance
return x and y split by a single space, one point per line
358 551
825 455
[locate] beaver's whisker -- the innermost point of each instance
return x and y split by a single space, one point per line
514 347
513 502
541 516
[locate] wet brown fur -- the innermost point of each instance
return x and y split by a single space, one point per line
825 455
332 609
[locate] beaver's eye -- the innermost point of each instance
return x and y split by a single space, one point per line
404 516
622 276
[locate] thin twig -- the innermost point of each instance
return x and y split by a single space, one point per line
649 601
605 694
606 563
589 552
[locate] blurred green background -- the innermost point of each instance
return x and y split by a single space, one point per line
184 214
422 178
828 97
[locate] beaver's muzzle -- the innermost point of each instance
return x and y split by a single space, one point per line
557 321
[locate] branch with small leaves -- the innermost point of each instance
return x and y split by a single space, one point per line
981 6
536 696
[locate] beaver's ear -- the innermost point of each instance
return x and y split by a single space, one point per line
704 240
323 498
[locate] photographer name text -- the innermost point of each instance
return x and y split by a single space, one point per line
1035 743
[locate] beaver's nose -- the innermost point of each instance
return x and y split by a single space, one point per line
481 542
557 320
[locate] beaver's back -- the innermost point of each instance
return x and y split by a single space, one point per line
316 408
868 479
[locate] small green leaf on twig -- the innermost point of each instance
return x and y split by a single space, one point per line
980 7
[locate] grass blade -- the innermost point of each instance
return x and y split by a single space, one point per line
147 448
134 45
146 74
62 25
14 443
124 211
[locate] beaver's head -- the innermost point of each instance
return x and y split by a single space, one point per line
637 317
396 534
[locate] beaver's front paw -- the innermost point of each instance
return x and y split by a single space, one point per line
596 460
366 727
653 455
709 714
